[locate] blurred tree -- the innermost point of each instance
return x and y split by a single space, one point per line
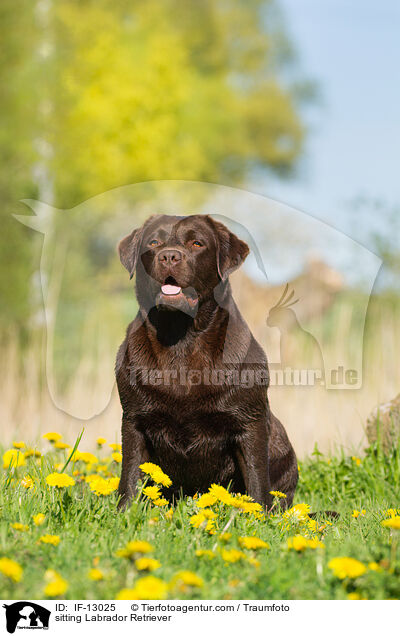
101 93
17 156
175 89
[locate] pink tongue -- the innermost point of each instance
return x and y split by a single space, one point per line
171 290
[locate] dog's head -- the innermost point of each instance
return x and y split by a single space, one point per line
180 260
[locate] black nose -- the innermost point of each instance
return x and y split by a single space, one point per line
169 257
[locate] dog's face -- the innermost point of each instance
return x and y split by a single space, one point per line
180 260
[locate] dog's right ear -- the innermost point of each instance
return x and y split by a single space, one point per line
128 249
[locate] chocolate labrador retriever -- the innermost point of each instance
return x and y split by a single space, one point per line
192 379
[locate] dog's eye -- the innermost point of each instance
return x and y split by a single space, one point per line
197 244
154 243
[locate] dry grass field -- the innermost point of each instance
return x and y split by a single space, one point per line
312 415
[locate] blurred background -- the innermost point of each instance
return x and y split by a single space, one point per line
295 102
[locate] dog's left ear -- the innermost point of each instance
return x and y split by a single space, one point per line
128 249
231 250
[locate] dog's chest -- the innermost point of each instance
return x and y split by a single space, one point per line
186 419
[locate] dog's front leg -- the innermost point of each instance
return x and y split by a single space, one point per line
134 453
252 455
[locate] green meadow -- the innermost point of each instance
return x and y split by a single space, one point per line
62 537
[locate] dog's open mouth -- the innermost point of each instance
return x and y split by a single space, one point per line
170 287
171 291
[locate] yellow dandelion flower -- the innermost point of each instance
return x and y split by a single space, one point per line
19 445
27 482
161 478
21 527
354 596
50 539
356 460
117 457
298 543
52 437
95 574
205 553
225 537
135 547
186 578
31 452
169 514
343 567
252 543
245 504
147 588
150 587
100 441
277 493
375 567
206 500
156 473
86 458
59 480
152 492
160 502
101 486
61 445
314 543
392 522
232 555
147 563
38 519
13 458
11 569
127 594
116 447
200 518
297 513
149 467
57 586
221 494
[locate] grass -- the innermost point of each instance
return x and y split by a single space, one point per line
91 532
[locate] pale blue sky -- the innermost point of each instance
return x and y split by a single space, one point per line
352 49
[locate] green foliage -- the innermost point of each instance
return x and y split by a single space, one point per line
19 106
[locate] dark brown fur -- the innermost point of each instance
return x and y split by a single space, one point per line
199 433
